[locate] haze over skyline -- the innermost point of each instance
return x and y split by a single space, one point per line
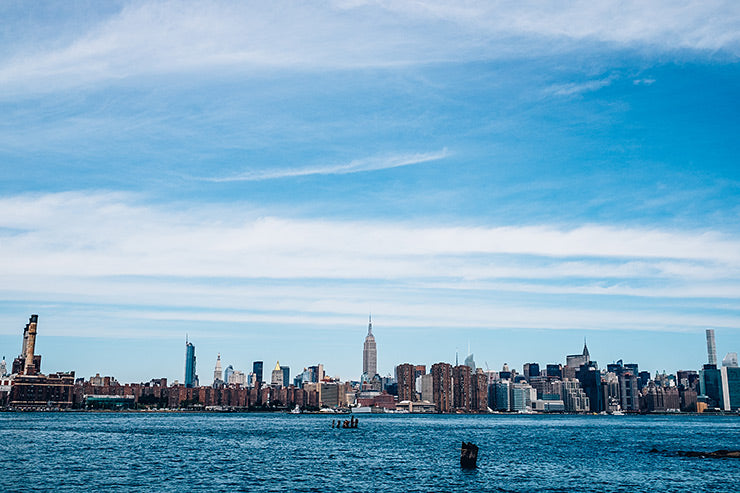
262 176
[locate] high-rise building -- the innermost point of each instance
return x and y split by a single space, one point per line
218 374
442 386
469 361
590 378
710 385
286 375
461 387
711 348
277 376
406 382
729 360
257 367
427 388
190 376
576 360
499 397
730 388
479 394
3 368
628 391
370 353
555 371
531 370
227 373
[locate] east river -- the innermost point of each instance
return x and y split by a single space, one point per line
281 452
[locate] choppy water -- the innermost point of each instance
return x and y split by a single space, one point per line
279 452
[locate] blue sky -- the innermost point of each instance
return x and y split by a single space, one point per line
261 176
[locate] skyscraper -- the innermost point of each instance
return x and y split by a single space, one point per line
227 373
406 381
711 348
257 370
3 368
442 386
190 376
370 353
218 374
277 376
461 387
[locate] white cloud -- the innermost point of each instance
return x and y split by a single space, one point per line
166 37
355 166
112 250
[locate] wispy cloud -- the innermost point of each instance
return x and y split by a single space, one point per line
354 166
172 37
108 250
572 88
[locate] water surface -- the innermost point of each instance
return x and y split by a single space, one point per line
282 452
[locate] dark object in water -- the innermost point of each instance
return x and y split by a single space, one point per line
347 423
468 455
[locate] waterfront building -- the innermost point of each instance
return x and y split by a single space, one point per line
710 385
427 392
442 386
461 382
590 378
479 394
711 348
628 391
277 376
29 388
257 367
576 400
405 374
370 353
191 379
730 388
286 375
499 395
329 394
218 374
520 397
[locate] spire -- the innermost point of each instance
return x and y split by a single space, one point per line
585 350
370 325
277 366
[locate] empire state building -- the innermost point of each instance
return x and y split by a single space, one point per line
370 353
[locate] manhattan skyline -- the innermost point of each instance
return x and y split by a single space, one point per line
261 177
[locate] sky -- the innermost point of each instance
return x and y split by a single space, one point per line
261 176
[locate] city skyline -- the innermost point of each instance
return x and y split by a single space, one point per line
261 176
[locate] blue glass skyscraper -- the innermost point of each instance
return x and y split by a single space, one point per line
190 377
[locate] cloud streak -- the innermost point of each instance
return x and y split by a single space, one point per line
355 166
113 250
176 37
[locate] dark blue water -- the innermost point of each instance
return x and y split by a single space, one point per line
280 452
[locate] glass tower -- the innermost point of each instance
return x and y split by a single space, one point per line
190 376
